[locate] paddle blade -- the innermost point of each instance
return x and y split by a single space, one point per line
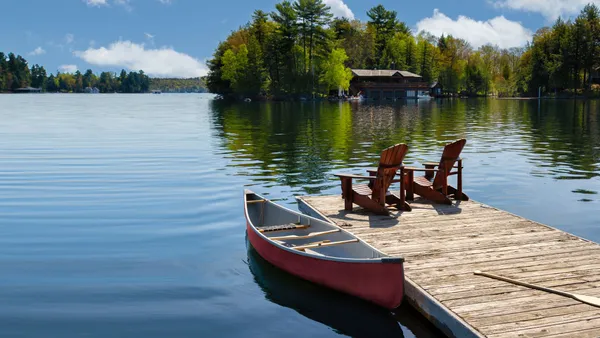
595 301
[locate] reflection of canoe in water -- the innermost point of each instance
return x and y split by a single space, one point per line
345 314
322 253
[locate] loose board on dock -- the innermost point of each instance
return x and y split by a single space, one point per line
444 244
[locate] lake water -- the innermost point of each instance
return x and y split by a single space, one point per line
121 215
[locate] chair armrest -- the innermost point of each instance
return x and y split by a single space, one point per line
436 164
374 170
419 169
358 177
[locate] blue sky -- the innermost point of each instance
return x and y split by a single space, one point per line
175 37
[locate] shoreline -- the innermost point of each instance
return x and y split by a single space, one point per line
46 93
550 98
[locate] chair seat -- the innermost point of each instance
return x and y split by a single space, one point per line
422 181
362 189
374 198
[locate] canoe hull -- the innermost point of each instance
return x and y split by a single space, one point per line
379 283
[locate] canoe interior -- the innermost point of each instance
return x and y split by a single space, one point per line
267 214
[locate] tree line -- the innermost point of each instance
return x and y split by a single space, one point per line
15 73
300 49
174 85
566 56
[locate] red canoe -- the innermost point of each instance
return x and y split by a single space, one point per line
322 253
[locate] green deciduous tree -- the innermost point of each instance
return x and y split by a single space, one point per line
234 66
282 49
476 79
335 74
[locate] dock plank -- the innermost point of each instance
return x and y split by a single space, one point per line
444 244
547 319
549 330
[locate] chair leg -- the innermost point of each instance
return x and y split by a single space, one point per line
459 176
382 193
347 193
372 181
403 205
409 183
445 186
429 171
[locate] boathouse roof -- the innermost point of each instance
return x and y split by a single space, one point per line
383 73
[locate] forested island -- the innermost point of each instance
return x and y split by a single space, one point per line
300 50
173 85
16 74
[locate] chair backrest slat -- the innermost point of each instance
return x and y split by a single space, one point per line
389 163
449 157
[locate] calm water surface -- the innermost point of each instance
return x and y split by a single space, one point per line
121 215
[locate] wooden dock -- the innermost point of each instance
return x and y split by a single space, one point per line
443 245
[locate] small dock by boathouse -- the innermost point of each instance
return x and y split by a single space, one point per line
444 244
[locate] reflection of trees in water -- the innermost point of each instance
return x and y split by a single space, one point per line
293 144
566 134
298 144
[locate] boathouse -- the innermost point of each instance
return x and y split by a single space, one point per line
91 90
436 89
387 84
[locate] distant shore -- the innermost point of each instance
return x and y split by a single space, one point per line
150 92
551 98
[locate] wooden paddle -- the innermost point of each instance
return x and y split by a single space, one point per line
595 301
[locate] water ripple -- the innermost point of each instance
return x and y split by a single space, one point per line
121 215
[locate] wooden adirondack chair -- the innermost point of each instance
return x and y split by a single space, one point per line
438 190
375 195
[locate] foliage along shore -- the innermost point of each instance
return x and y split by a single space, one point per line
300 50
174 85
15 73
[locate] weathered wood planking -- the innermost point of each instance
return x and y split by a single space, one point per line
444 244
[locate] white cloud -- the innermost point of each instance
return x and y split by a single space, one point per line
69 38
124 3
340 9
166 2
96 3
497 31
150 38
551 9
37 51
160 62
68 68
